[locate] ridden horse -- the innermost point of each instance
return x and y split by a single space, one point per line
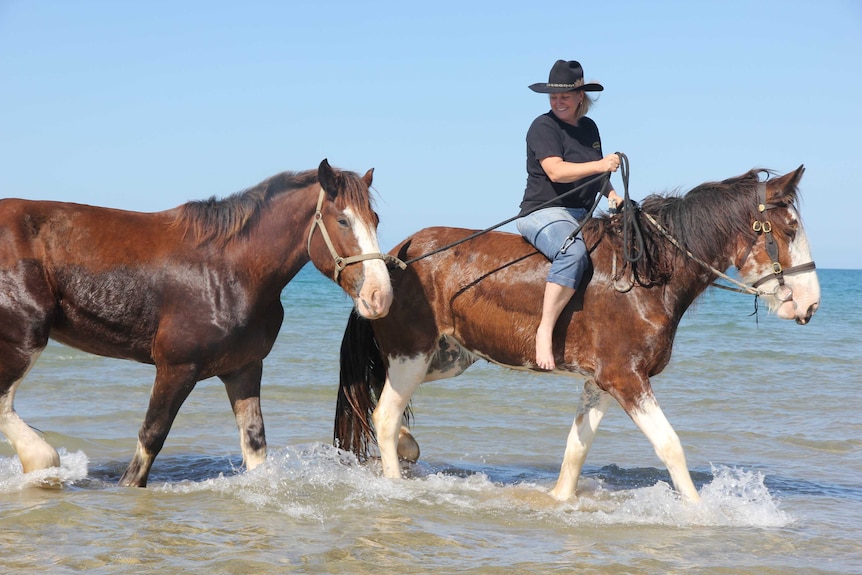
194 291
481 299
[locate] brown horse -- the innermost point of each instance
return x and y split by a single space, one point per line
194 290
481 299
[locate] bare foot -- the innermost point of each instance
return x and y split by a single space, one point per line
544 351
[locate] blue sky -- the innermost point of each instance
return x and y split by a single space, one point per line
146 105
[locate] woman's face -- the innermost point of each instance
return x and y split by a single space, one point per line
565 105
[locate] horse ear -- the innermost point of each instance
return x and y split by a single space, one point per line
368 177
791 180
787 184
327 178
797 175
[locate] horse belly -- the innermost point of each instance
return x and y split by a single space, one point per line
113 313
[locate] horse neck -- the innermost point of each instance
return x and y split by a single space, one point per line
690 278
276 245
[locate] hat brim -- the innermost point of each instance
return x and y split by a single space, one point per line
545 88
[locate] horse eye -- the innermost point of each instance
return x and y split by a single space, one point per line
343 222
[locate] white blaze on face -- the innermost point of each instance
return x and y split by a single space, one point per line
375 294
805 286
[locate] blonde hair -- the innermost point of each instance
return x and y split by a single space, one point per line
585 105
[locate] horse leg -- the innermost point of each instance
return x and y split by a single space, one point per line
171 388
34 452
649 417
243 390
591 409
402 380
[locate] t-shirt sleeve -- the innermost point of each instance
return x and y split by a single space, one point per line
544 139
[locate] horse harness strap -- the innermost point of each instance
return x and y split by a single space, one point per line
764 226
340 262
741 286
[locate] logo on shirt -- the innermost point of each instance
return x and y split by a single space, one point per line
597 146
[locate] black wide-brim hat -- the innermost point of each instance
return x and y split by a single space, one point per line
566 77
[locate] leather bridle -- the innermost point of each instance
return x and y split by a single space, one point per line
763 227
340 262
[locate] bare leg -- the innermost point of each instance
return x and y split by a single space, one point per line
402 380
649 417
592 408
243 390
556 298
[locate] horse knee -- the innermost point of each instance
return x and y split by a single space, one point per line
408 448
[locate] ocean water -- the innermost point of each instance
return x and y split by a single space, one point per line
769 412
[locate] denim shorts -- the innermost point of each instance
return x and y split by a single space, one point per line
547 230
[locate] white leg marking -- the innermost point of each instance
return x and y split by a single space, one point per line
591 409
250 457
33 451
652 422
402 380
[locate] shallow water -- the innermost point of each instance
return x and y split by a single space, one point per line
768 412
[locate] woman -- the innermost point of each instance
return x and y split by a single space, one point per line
563 151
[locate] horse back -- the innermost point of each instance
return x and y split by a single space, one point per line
93 275
487 294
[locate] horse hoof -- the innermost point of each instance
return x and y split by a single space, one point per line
408 449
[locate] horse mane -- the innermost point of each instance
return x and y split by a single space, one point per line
222 220
701 221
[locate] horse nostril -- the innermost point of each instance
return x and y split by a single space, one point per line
810 312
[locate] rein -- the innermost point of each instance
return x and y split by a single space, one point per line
340 262
512 219
781 291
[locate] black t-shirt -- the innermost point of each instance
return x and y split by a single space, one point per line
547 137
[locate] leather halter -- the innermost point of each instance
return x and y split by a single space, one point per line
340 262
764 227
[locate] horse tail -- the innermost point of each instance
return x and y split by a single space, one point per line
361 377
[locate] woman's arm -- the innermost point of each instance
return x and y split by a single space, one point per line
561 172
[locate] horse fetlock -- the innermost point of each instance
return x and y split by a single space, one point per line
45 457
254 459
563 490
138 471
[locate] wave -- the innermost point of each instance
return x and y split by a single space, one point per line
318 482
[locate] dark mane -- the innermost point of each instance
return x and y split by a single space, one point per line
701 221
221 220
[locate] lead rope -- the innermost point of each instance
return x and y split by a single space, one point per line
740 287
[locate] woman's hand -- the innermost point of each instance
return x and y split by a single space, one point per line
610 163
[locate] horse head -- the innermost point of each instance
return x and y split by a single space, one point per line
346 247
777 258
